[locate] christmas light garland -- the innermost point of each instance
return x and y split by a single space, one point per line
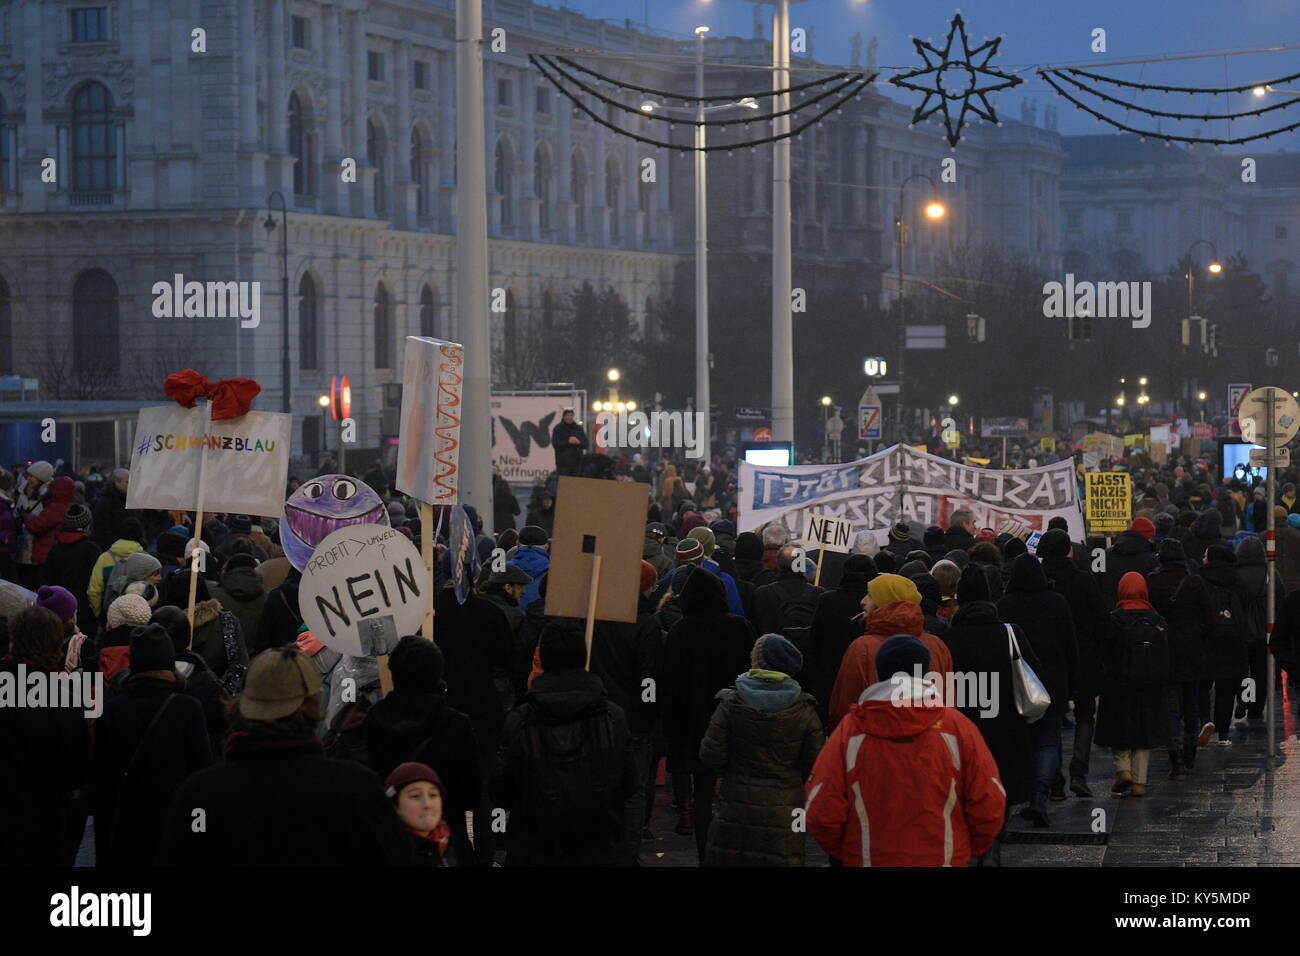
1169 115
698 99
1156 87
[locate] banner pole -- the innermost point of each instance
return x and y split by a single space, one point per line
1270 545
817 578
426 552
196 557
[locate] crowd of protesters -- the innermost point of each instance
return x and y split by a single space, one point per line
234 736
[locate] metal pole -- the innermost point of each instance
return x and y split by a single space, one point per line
902 314
475 486
285 374
1270 543
702 395
782 331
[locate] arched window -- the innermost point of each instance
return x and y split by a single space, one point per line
578 192
6 331
510 325
613 197
308 324
420 171
384 331
94 151
505 182
300 148
375 156
428 313
95 345
542 185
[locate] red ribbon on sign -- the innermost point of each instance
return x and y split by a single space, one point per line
230 397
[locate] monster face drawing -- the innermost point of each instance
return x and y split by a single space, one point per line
324 504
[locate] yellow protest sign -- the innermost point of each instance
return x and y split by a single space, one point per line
1048 445
1108 497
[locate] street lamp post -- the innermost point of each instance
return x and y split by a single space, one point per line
324 403
1214 267
934 210
826 420
269 224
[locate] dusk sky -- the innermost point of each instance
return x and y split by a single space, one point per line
1042 32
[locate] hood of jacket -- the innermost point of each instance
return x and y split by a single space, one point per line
205 611
880 712
531 559
976 612
1250 551
560 696
62 490
1060 569
766 695
929 588
123 548
1130 543
1028 575
896 617
242 584
1219 573
403 714
1208 526
704 594
855 582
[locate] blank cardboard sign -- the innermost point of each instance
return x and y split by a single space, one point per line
595 516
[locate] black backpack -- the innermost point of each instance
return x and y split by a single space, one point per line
1143 658
1229 618
795 616
570 768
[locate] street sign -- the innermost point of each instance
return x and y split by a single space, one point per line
926 337
869 415
762 434
1235 394
1254 415
875 366
751 413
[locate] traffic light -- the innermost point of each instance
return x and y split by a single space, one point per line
1212 345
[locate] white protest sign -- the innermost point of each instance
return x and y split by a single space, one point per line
248 461
428 458
832 534
363 589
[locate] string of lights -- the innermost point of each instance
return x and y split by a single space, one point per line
692 122
1171 115
1048 76
666 95
1160 88
729 147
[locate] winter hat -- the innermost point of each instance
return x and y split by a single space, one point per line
986 534
279 682
1164 523
933 535
177 624
749 546
1171 549
689 551
692 520
152 649
885 562
1144 527
706 539
533 535
240 524
958 556
1014 528
1279 512
189 549
900 531
916 554
417 666
1054 544
885 588
1220 552
973 585
865 543
411 772
77 518
59 600
773 652
128 609
396 512
901 653
13 599
42 471
649 576
1014 548
239 561
140 565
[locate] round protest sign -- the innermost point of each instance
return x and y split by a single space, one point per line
363 589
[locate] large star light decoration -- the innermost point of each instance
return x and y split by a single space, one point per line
959 80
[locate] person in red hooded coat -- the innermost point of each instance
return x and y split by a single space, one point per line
44 521
904 780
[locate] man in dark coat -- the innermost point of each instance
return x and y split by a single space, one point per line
505 589
477 645
1045 618
837 623
790 586
110 509
566 805
979 644
71 561
960 535
749 561
276 799
1182 599
569 442
200 682
144 752
1132 551
1227 662
704 652
505 506
901 541
414 722
1252 580
1088 611
281 617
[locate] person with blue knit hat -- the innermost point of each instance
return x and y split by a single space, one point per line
763 740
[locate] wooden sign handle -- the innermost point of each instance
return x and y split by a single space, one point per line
817 578
591 604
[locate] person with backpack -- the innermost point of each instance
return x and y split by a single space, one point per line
904 780
1182 599
709 545
1132 718
787 605
565 768
118 551
762 741
200 682
703 653
1228 663
151 737
1252 582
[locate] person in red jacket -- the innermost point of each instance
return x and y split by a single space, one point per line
45 520
893 606
904 780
